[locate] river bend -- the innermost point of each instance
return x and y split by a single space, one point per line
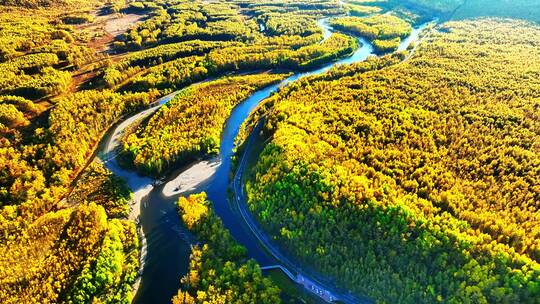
166 243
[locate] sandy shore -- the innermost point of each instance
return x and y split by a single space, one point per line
196 176
193 178
140 185
135 206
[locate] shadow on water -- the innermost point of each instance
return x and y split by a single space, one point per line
168 247
165 252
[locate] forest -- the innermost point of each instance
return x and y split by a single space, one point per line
64 232
190 125
219 271
83 252
384 31
420 176
417 171
187 42
64 228
521 9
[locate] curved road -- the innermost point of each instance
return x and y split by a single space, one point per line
166 243
311 282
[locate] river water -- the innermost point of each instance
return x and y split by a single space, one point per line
166 246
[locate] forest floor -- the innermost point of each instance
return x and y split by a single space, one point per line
108 26
120 23
103 32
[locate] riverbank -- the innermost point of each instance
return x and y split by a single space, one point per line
166 245
141 186
318 284
192 179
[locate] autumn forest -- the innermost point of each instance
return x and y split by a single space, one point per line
310 151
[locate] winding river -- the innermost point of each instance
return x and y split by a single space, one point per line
166 243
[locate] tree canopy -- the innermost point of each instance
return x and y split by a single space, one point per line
218 269
413 181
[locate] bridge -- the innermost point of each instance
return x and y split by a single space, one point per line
311 286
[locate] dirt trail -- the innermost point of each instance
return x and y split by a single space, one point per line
122 23
103 31
106 27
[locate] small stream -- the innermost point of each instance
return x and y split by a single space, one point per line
166 248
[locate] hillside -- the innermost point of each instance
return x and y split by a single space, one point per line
422 176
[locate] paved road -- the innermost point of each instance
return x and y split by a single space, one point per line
321 289
307 283
156 229
311 282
